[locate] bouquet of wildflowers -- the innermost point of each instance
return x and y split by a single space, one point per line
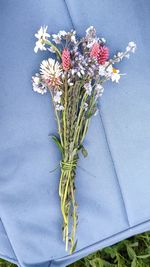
75 81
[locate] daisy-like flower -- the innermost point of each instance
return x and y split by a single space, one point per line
42 36
115 75
38 85
51 71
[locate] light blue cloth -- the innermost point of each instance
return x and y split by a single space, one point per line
113 196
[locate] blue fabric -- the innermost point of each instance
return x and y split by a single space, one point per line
113 195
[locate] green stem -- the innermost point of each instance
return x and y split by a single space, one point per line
53 46
58 121
64 114
79 116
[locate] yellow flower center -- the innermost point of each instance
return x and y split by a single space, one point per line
115 70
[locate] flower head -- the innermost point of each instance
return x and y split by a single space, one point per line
42 36
103 54
95 50
57 97
88 88
51 72
66 62
38 85
131 47
115 75
90 33
99 90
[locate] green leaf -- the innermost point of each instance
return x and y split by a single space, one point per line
131 252
133 264
143 256
111 251
83 150
57 142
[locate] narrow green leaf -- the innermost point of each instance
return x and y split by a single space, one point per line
74 246
143 256
133 264
131 252
58 143
84 152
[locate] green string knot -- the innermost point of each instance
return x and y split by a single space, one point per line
68 166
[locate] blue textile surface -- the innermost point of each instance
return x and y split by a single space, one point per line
113 196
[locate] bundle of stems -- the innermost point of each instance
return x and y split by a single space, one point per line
75 81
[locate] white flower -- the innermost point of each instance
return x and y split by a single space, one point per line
73 39
91 42
57 97
86 106
56 38
62 33
115 76
131 47
42 36
88 88
59 107
99 90
51 71
90 32
120 56
102 71
38 85
109 70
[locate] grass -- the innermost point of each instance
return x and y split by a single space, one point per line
132 252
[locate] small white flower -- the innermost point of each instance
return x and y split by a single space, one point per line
88 88
39 45
102 71
131 47
62 33
109 70
120 55
86 106
59 107
91 42
99 90
38 85
90 32
42 36
115 76
57 97
56 38
73 39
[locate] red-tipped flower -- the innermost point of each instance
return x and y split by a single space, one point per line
95 50
66 62
103 54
